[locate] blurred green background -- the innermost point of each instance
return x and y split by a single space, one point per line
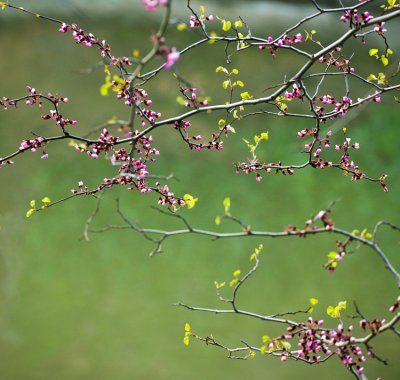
72 309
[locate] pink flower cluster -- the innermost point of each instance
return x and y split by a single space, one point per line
352 17
88 39
295 93
32 144
172 57
167 197
286 40
152 5
105 144
191 98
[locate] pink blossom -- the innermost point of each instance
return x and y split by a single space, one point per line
152 5
172 57
298 38
64 28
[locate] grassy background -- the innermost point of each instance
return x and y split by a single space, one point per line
71 309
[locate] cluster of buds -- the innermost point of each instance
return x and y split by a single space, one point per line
341 63
287 41
194 141
191 98
194 21
6 102
105 143
350 354
167 197
341 106
378 28
82 189
33 98
88 39
57 117
310 224
374 325
295 93
345 158
79 35
284 41
270 46
353 18
311 343
32 144
255 167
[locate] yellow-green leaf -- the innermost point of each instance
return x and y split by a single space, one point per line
104 89
136 53
373 52
223 69
219 285
30 212
246 96
313 301
384 60
186 340
225 84
32 203
238 24
217 220
226 25
190 201
227 204
266 338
